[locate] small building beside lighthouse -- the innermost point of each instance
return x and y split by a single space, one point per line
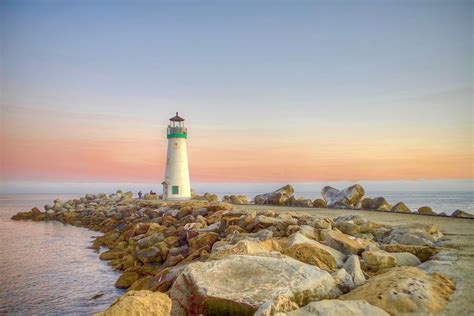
176 185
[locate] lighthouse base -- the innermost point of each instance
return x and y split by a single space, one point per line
176 198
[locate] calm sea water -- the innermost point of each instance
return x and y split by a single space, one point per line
46 267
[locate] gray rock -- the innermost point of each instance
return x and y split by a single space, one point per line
379 204
343 280
241 284
352 266
150 240
309 232
277 197
355 219
401 207
405 259
348 198
459 213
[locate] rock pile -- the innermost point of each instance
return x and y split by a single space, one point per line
235 199
350 198
212 259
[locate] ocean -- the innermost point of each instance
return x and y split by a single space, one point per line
48 269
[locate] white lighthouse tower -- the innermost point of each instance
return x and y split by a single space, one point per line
176 185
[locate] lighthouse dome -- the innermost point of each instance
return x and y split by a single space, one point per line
176 118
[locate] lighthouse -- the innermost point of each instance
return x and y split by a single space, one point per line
176 185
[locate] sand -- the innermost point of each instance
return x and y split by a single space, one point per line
460 233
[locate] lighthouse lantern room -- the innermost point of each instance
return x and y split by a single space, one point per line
176 185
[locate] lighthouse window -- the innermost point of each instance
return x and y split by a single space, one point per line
175 189
175 145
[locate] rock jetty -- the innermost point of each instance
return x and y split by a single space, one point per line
205 257
352 198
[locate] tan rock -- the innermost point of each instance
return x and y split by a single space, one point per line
378 260
139 303
425 210
309 231
111 255
319 203
277 197
423 253
312 254
348 245
348 228
405 290
400 207
379 204
338 308
235 199
246 247
126 279
160 282
202 240
298 238
276 305
459 213
365 203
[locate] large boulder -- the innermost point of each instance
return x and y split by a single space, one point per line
346 244
239 285
139 303
150 240
401 207
298 239
426 210
347 198
343 279
379 204
459 213
352 266
319 203
338 308
378 260
421 236
246 247
277 197
126 279
312 253
405 290
34 214
365 203
302 202
202 240
235 199
160 282
424 253
406 259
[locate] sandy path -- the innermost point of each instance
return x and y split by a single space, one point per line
459 231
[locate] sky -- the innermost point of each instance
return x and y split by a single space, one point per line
272 91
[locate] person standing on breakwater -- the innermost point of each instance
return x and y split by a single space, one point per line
140 195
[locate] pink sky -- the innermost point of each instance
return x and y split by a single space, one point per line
43 145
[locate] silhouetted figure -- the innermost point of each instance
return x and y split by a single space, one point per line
140 194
